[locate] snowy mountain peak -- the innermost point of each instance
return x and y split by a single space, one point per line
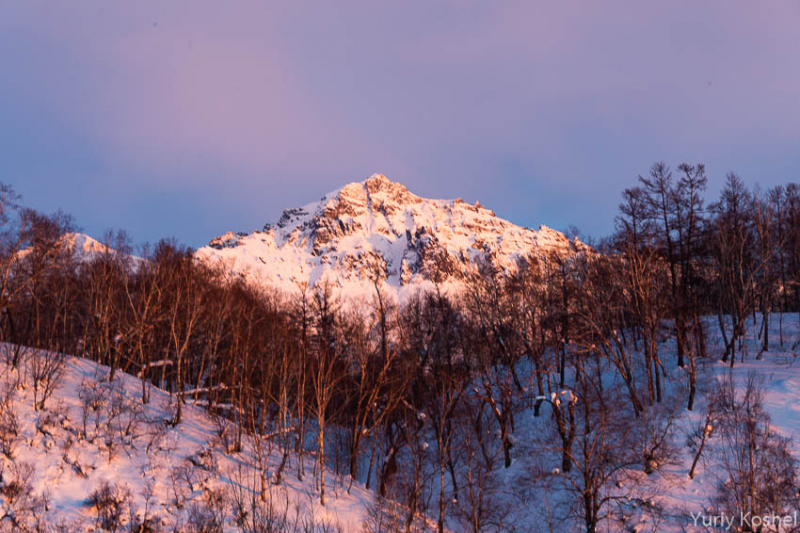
83 246
378 183
80 246
377 228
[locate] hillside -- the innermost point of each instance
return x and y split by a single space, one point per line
94 458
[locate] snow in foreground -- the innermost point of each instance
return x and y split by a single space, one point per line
96 458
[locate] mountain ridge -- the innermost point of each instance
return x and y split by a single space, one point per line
377 229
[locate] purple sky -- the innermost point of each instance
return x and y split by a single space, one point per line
192 118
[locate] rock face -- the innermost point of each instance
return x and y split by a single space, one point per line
378 229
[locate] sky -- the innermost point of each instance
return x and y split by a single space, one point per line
190 118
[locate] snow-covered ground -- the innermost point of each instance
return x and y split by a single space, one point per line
158 473
778 370
667 500
95 432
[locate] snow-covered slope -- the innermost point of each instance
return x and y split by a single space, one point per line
95 433
85 249
377 228
92 433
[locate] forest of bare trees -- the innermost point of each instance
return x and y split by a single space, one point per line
421 401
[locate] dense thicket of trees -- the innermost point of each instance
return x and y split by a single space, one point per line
421 400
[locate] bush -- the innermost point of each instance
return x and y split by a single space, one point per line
23 508
46 369
9 432
112 504
207 516
9 423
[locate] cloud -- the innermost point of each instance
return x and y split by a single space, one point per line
230 112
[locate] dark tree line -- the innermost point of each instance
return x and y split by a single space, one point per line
421 401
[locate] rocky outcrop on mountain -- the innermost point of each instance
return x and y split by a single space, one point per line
378 230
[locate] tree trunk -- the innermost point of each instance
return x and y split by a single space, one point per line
692 382
702 445
321 460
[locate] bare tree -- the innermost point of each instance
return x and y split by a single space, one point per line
760 473
46 369
144 293
106 322
733 242
326 368
658 190
602 458
498 319
379 382
186 290
690 222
